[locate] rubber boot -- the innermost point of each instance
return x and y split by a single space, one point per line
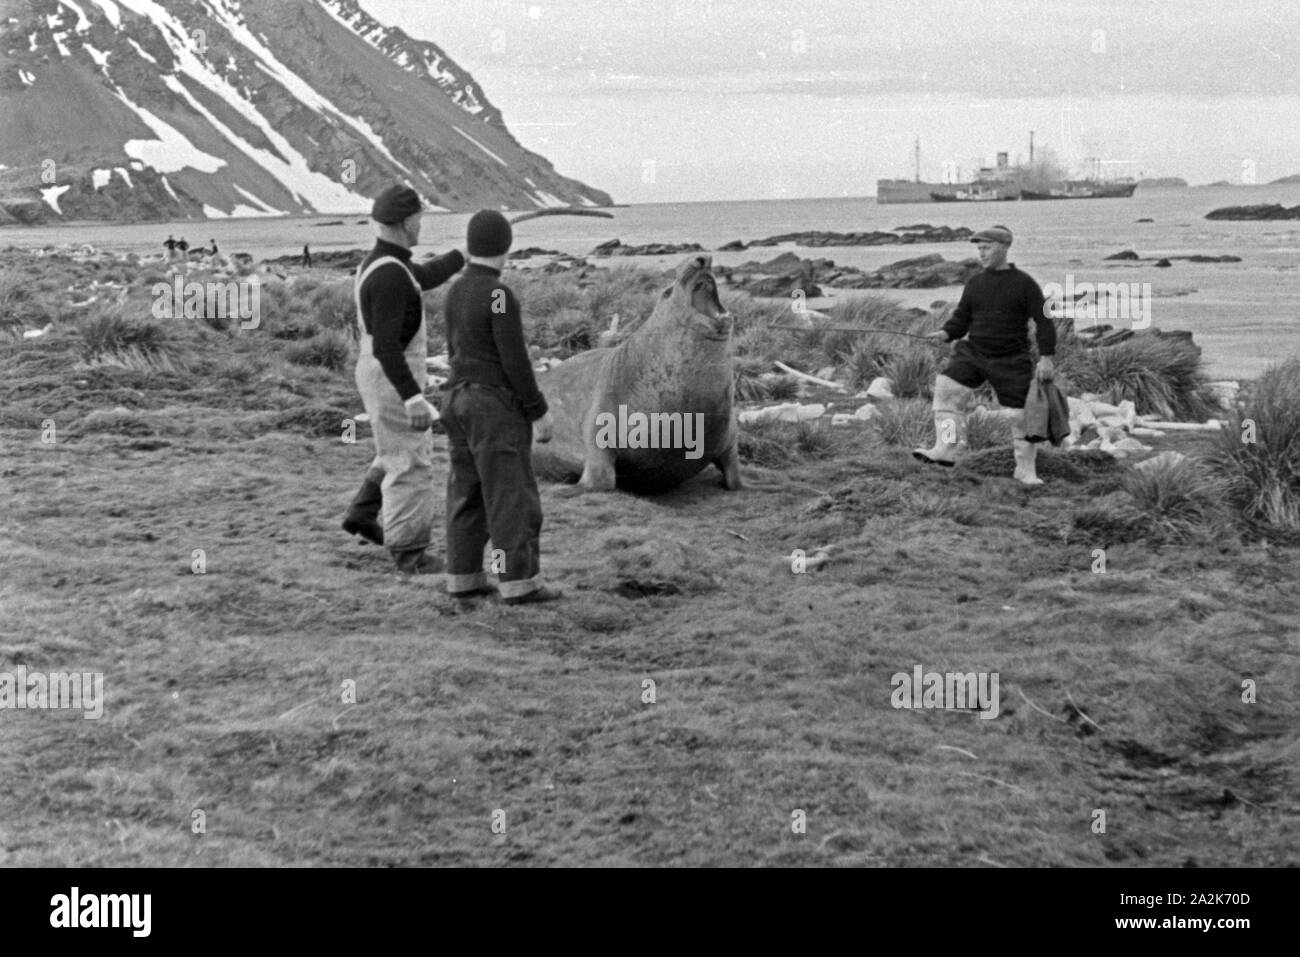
949 433
536 596
362 516
418 562
1026 452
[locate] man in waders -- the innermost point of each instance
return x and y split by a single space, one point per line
993 315
391 375
492 411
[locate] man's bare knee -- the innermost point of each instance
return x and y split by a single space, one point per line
949 393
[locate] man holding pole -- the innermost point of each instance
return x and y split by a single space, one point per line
989 327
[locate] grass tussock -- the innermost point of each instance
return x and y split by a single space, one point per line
912 371
1258 451
905 423
985 431
331 349
781 444
114 332
21 306
1161 375
1177 500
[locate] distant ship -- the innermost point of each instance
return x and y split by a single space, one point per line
1084 189
998 184
976 195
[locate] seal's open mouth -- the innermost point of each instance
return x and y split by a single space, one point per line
704 299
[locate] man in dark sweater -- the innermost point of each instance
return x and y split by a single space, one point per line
492 411
391 376
990 326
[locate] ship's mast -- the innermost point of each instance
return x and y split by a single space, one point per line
1031 147
918 159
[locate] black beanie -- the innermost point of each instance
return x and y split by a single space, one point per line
489 234
395 204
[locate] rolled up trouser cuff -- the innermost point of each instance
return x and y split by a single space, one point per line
517 589
464 583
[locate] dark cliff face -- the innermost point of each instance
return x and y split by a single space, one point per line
132 110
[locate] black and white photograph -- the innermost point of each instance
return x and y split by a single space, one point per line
651 434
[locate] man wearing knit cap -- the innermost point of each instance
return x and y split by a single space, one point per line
395 506
990 326
492 411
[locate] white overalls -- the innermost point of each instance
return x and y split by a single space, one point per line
404 455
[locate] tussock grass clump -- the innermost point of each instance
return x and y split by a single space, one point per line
110 332
332 307
867 311
20 305
567 332
779 444
1110 520
765 444
1160 374
1262 477
984 431
912 371
331 349
1178 499
813 440
908 423
752 387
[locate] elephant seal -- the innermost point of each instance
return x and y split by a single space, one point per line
655 410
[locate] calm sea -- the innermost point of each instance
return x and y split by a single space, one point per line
1245 315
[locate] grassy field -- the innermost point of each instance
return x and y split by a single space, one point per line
1120 690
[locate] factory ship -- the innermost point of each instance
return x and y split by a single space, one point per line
1001 183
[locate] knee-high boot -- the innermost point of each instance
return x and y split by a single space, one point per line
1026 453
362 517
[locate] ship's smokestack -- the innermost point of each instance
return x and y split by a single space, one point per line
1002 161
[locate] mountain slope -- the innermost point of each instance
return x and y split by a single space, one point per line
163 109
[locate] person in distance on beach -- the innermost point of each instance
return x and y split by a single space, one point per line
170 246
989 327
492 411
391 375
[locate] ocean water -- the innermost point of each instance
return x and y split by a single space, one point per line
1244 315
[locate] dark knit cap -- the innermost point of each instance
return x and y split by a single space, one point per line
395 204
489 234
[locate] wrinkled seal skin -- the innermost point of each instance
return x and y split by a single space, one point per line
680 360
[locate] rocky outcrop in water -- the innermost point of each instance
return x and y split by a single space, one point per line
1263 211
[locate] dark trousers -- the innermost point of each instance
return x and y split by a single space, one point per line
491 489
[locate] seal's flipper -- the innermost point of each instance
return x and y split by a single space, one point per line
729 464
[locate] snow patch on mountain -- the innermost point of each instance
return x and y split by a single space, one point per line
52 195
111 11
170 152
481 146
83 24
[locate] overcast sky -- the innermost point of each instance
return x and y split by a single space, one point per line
683 100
